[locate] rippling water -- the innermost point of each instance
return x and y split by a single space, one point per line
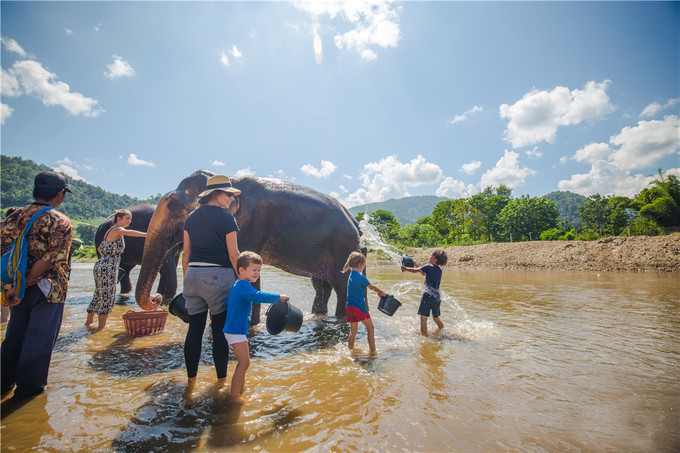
528 361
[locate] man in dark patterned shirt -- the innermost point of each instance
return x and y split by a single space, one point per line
34 323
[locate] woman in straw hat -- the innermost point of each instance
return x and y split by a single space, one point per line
208 262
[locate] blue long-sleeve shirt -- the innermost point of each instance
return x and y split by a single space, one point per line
239 304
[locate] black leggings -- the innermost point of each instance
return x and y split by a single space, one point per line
194 342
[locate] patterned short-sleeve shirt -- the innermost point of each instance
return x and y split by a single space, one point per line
49 239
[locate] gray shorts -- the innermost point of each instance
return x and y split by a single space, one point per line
206 288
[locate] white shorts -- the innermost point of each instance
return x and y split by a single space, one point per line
234 338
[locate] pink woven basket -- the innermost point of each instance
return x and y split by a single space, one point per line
147 322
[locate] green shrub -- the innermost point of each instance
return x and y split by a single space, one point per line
86 253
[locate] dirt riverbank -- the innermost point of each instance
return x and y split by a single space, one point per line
639 253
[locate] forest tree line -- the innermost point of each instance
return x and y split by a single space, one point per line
496 216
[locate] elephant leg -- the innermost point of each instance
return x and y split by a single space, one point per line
256 309
167 285
125 283
340 287
323 292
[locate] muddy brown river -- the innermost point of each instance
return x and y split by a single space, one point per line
527 361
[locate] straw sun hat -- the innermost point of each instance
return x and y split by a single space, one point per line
219 182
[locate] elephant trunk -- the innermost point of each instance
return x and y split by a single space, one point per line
164 232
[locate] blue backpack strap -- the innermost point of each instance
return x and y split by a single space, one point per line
18 259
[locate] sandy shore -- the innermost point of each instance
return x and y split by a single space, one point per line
639 253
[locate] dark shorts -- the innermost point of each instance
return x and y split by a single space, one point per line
355 314
429 303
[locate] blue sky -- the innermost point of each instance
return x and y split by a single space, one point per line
365 101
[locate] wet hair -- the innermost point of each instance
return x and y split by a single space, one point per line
440 256
355 259
45 193
245 259
119 214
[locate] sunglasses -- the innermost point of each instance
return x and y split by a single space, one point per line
229 194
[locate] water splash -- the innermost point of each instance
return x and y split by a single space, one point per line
456 319
370 238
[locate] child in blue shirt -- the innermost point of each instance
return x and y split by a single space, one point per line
239 304
431 300
356 307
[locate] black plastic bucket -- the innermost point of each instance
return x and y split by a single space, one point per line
388 305
407 261
283 316
178 307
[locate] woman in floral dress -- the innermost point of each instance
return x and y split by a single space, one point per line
106 269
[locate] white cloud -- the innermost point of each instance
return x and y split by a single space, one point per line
593 152
337 195
327 169
244 172
654 108
507 171
68 31
69 171
134 160
5 112
38 82
119 68
10 85
13 46
375 23
217 163
224 59
97 27
537 116
390 178
451 188
606 178
647 143
471 167
636 148
465 115
234 52
318 47
534 153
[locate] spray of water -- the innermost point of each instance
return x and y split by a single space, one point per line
462 326
457 322
370 238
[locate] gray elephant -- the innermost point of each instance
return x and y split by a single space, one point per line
134 250
292 227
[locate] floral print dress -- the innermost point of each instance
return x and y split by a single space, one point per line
106 276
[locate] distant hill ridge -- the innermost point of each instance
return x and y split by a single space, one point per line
407 210
90 203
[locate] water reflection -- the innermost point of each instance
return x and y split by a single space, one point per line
122 358
533 361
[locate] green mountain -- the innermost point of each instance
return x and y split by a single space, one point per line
568 204
406 210
89 203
